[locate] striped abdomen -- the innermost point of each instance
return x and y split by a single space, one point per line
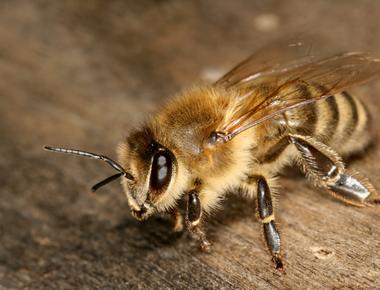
352 132
341 121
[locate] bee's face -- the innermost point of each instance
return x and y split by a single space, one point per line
153 167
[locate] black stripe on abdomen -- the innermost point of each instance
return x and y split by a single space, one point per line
308 113
334 117
353 122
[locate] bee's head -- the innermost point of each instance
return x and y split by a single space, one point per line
148 171
154 168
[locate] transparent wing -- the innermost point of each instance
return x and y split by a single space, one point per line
281 55
269 88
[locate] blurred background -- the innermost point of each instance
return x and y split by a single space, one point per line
84 73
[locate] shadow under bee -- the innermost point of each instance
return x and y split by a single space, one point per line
158 230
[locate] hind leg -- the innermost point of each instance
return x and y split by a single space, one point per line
325 169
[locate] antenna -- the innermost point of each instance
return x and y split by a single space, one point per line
106 159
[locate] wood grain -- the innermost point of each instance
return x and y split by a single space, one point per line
83 74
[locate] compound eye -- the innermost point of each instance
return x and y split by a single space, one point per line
161 170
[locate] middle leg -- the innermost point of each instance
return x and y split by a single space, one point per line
265 214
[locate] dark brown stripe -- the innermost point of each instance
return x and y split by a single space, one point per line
308 113
352 124
334 120
303 90
310 124
275 151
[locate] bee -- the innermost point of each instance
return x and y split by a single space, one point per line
281 106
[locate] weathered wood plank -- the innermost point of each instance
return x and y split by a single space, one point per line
83 74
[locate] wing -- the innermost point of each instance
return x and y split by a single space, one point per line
277 56
266 87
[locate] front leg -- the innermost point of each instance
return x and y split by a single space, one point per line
193 219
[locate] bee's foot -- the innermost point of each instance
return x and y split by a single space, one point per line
205 245
375 201
279 265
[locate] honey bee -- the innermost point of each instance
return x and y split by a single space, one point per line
279 107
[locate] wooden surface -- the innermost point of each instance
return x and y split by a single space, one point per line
83 73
